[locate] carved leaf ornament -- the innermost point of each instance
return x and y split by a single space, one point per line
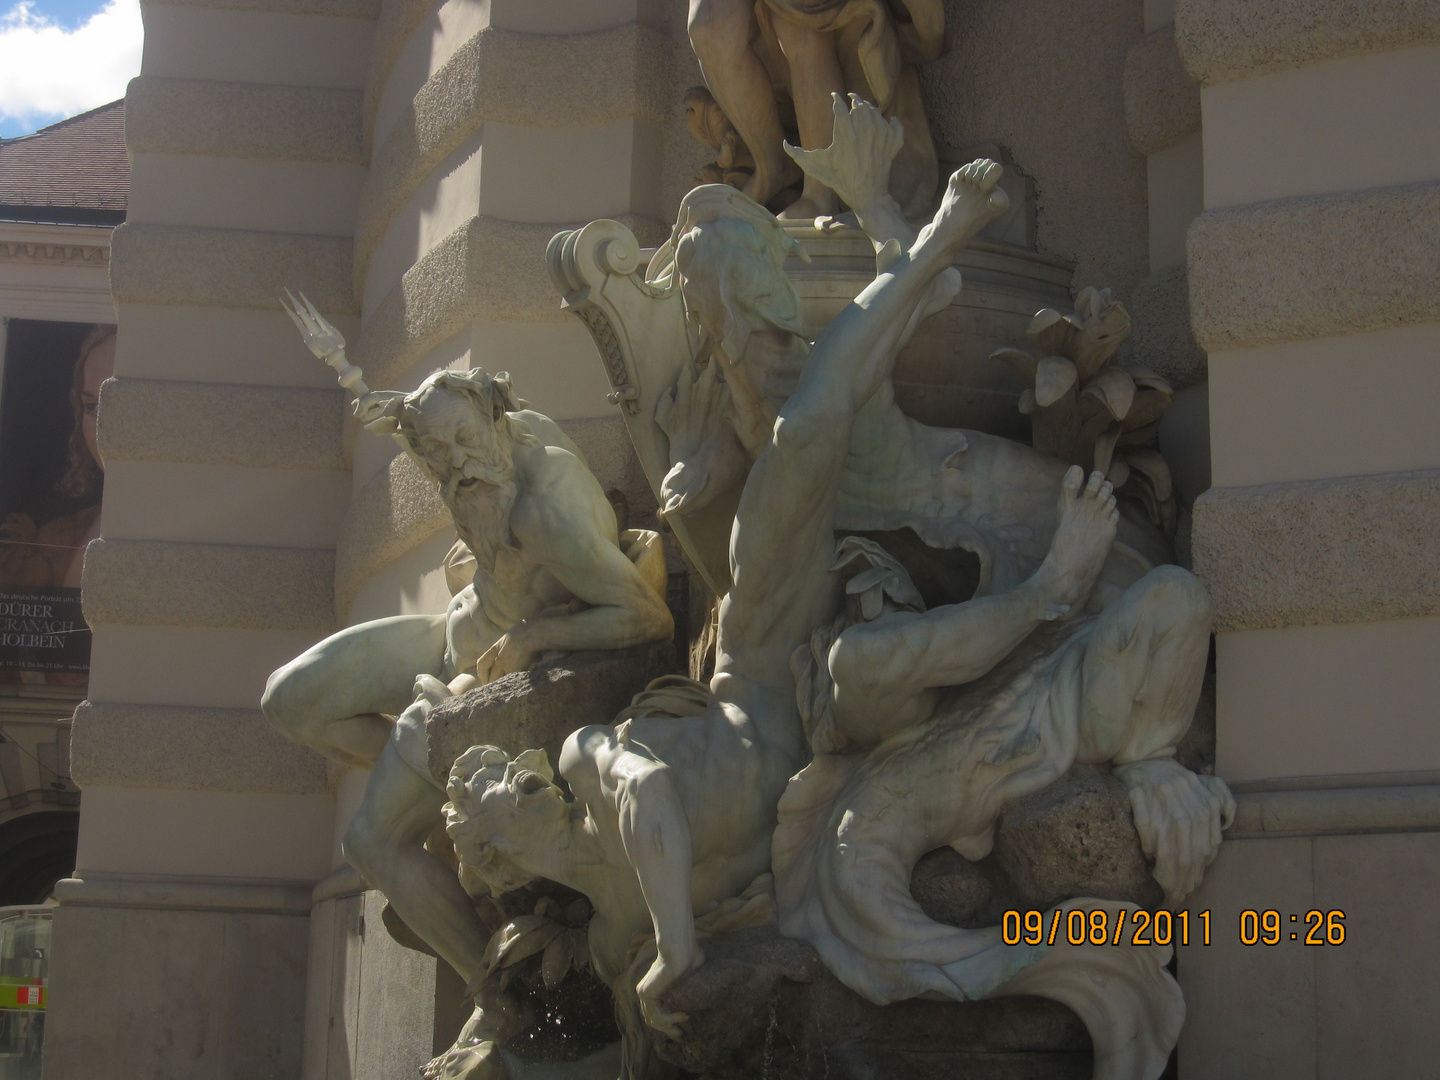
1086 409
554 938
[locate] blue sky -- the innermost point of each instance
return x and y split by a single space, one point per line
70 14
62 57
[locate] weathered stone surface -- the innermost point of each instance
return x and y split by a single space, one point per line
1223 40
238 586
229 268
1075 838
951 889
1318 266
242 120
1162 101
1319 552
763 1005
1162 339
536 709
396 511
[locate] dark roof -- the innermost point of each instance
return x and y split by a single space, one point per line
75 171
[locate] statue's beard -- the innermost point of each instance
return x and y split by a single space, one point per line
479 497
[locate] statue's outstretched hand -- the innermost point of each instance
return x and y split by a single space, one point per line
856 164
321 338
429 692
1179 816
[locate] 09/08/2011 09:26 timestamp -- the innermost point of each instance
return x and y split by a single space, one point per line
1126 926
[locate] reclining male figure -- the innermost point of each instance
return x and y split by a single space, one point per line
550 575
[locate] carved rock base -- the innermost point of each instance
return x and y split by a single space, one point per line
1075 838
763 1005
538 708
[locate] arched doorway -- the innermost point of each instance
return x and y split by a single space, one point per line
36 850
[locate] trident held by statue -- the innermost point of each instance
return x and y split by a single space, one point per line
324 341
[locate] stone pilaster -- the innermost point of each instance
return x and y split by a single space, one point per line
1307 278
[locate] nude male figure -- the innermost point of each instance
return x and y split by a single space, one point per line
1138 702
721 32
671 814
826 47
550 575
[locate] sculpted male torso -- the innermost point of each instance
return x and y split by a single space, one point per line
954 488
550 575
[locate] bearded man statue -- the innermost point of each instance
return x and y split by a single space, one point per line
550 574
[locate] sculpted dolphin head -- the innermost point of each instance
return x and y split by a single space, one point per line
730 254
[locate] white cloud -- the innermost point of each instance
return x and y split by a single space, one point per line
49 72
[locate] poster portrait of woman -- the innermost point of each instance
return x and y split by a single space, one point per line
51 482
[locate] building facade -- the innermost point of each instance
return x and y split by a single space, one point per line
62 192
1257 182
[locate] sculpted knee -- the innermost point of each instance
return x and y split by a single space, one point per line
1178 595
278 705
361 846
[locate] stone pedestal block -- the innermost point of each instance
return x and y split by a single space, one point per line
538 708
764 1005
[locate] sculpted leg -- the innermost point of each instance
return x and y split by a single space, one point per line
386 843
1143 668
814 77
720 32
884 670
783 540
1139 683
329 696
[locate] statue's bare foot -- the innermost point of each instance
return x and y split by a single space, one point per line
971 202
1088 519
475 1054
811 205
769 179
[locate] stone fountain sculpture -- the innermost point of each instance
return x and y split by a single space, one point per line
873 722
550 571
920 629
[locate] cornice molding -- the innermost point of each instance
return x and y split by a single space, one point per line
38 242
